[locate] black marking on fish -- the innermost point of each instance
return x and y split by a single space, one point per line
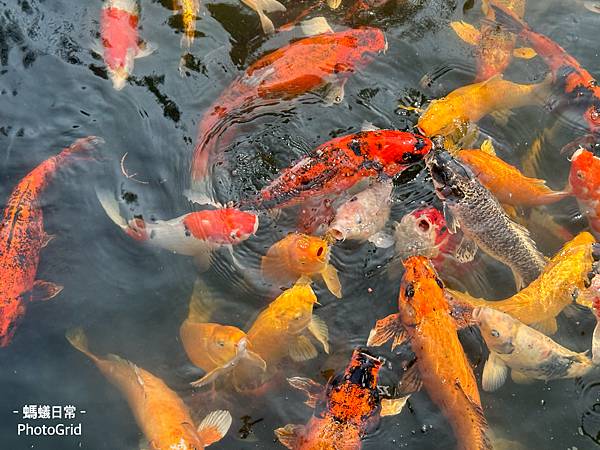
355 146
557 366
16 216
409 290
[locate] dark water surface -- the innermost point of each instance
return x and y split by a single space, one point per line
131 299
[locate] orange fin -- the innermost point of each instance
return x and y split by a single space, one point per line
312 389
214 426
411 380
290 435
44 290
386 329
46 239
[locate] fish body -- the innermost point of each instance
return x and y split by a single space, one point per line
565 275
281 330
441 366
189 10
298 255
584 183
344 411
494 46
305 65
22 236
506 182
468 104
527 352
470 206
364 216
196 234
341 163
162 416
579 88
119 21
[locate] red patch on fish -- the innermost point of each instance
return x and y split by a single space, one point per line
223 226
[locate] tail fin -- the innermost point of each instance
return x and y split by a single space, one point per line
214 426
82 147
78 339
202 303
111 207
507 19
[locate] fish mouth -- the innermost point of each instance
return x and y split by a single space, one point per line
337 233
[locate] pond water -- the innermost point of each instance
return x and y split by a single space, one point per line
131 299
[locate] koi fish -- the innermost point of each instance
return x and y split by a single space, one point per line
305 65
584 183
506 182
468 205
281 330
364 216
527 352
494 46
345 410
196 234
120 41
189 10
422 232
469 104
163 417
424 320
261 7
22 236
213 347
580 89
341 163
565 275
298 255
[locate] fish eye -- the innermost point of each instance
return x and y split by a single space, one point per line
495 333
221 343
320 251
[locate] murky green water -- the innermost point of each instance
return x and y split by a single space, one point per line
132 299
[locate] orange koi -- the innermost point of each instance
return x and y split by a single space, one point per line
507 182
580 89
22 236
298 255
584 183
306 65
441 366
495 47
345 410
189 10
158 411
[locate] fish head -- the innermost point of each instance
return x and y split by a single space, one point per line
350 220
225 342
450 177
421 291
11 312
307 254
398 149
431 220
497 328
584 177
352 397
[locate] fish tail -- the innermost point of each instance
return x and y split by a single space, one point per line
82 148
78 339
507 19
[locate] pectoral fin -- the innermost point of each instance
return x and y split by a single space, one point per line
145 49
334 92
502 116
519 282
596 344
317 25
214 427
411 380
466 32
44 290
386 329
392 406
312 389
520 377
494 373
488 147
332 281
466 250
203 260
319 330
290 435
548 326
382 240
524 53
451 220
334 4
302 349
